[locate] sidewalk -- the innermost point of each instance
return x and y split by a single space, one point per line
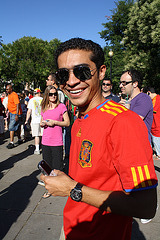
25 215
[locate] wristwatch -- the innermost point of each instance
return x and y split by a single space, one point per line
76 192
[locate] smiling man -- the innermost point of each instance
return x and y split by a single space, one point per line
103 172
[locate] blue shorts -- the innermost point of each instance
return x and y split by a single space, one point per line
13 124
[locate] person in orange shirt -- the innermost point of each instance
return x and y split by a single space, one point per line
15 112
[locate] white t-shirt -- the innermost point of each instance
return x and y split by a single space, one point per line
5 102
35 105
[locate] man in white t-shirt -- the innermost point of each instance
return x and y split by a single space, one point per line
34 110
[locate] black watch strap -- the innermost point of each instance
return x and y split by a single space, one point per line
76 192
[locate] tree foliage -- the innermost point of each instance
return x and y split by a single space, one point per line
113 34
142 40
28 60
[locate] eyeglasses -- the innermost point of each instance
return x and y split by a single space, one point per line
124 83
52 94
106 84
81 72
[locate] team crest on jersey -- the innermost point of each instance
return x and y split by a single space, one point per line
85 154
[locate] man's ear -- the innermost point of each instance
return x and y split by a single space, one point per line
135 84
102 72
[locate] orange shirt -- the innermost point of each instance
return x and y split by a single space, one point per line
13 100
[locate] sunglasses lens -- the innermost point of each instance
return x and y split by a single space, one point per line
82 73
62 75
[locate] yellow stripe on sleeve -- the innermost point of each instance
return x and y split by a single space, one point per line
141 176
134 177
147 175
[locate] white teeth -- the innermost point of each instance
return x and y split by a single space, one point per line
77 91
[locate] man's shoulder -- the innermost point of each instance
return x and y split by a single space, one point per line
111 108
142 97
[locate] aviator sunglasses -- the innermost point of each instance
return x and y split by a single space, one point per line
81 72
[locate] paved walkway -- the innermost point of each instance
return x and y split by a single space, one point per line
25 215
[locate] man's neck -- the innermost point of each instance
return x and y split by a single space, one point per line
106 94
135 92
94 103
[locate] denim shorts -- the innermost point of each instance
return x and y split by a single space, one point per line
13 124
156 143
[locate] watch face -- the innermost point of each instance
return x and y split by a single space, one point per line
76 195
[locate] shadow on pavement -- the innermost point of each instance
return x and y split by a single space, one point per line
136 232
157 168
14 200
9 163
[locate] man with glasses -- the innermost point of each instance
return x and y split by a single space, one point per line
137 101
103 169
15 112
107 90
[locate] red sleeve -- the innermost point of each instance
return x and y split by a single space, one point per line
132 152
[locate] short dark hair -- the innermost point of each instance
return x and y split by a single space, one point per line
97 55
136 76
106 79
151 89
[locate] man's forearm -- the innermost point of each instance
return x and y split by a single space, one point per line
141 204
17 111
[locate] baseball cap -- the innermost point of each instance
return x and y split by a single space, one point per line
37 90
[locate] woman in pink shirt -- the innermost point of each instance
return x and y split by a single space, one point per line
54 117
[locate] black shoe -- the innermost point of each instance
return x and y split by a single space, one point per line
19 142
10 145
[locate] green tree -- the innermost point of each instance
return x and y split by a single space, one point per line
113 34
142 40
28 60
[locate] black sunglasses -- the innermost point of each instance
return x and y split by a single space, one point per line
124 83
106 84
81 72
51 94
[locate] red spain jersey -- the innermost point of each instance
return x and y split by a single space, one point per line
110 151
155 130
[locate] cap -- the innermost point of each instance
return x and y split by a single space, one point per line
37 90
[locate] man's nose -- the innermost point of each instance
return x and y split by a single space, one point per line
72 80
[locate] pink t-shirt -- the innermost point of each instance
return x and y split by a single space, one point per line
52 136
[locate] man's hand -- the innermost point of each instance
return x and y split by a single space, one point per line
60 185
16 118
125 103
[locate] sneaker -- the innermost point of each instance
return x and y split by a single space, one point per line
10 145
41 183
37 152
19 142
144 221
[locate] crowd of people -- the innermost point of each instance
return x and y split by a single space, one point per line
111 172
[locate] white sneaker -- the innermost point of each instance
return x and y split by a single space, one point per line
37 152
144 221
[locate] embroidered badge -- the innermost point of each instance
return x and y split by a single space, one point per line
85 154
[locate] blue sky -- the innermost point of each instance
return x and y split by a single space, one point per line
49 19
